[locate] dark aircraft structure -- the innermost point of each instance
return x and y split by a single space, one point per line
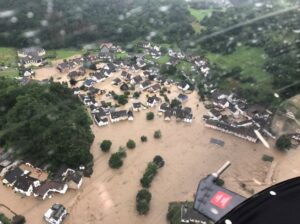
279 204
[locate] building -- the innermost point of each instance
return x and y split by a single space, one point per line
246 133
101 117
31 61
130 115
31 51
152 101
47 188
136 106
11 176
56 214
117 116
25 184
182 97
136 80
146 84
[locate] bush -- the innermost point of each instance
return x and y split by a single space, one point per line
150 116
130 144
136 94
283 143
159 161
143 194
142 207
144 138
105 145
18 219
157 134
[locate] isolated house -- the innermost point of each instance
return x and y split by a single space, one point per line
182 98
56 214
152 101
137 106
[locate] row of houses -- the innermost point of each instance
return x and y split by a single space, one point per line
27 180
246 133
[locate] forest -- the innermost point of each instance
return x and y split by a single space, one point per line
71 23
44 124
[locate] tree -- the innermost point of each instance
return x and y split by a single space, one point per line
122 99
73 82
143 194
130 144
159 161
136 94
157 134
142 207
105 145
283 143
149 174
175 103
144 138
150 116
115 161
43 111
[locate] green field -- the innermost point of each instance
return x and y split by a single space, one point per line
196 26
251 60
9 73
163 60
8 56
184 66
65 53
121 55
200 14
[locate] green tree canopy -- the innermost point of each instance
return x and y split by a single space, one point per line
45 124
105 145
283 142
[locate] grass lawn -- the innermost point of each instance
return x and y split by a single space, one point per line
200 14
163 60
251 60
65 53
9 73
8 56
121 55
196 26
184 66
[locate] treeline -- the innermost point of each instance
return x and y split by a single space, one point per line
69 23
45 125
